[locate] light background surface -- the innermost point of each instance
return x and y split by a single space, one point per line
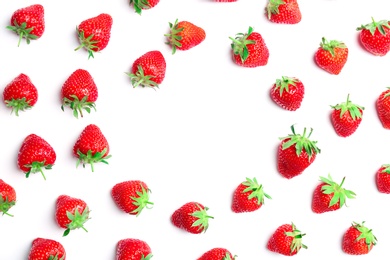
210 125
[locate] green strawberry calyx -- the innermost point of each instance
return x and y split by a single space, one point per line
227 257
22 31
55 257
330 46
17 105
239 44
92 158
78 105
5 205
273 7
87 43
256 190
140 79
354 110
366 234
141 201
148 257
77 220
301 143
37 167
173 37
283 84
386 168
296 244
339 194
139 5
372 27
202 218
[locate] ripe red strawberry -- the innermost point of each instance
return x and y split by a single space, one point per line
330 196
71 213
382 178
331 56
346 117
79 92
35 154
283 11
148 70
184 35
46 249
286 240
295 153
358 240
375 37
28 22
91 147
248 196
131 196
217 253
7 197
140 5
133 249
94 33
249 49
191 217
288 93
20 94
383 108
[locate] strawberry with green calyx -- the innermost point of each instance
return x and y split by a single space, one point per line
288 93
217 253
46 249
358 240
286 240
191 217
375 37
331 56
132 248
283 11
7 197
382 178
140 5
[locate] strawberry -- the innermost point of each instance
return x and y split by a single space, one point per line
46 249
249 49
79 92
94 33
140 5
131 196
358 240
248 196
286 240
71 213
217 253
28 22
375 37
295 153
346 117
148 70
184 35
331 56
191 217
20 94
35 154
7 197
288 93
330 196
91 147
283 11
134 249
383 108
382 178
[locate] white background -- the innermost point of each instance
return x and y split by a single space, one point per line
210 125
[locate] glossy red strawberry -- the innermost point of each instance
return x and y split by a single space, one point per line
330 196
91 147
28 22
331 56
140 5
20 94
184 35
148 70
7 197
358 240
191 217
249 49
79 92
217 253
286 240
295 153
248 196
71 213
133 249
288 93
375 37
94 33
36 154
283 11
131 196
46 249
382 178
383 108
346 117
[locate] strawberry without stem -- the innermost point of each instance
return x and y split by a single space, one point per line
331 56
383 108
131 248
46 249
375 37
283 11
191 217
7 197
358 240
288 93
140 5
217 253
382 178
286 240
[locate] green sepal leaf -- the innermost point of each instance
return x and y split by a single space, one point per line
17 105
91 159
78 105
77 220
256 190
354 110
141 201
140 79
366 234
330 46
22 31
239 44
296 244
202 218
373 26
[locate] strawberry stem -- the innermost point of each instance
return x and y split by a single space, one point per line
239 44
87 43
22 31
37 167
173 37
90 158
203 218
78 105
141 201
17 105
77 220
5 205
